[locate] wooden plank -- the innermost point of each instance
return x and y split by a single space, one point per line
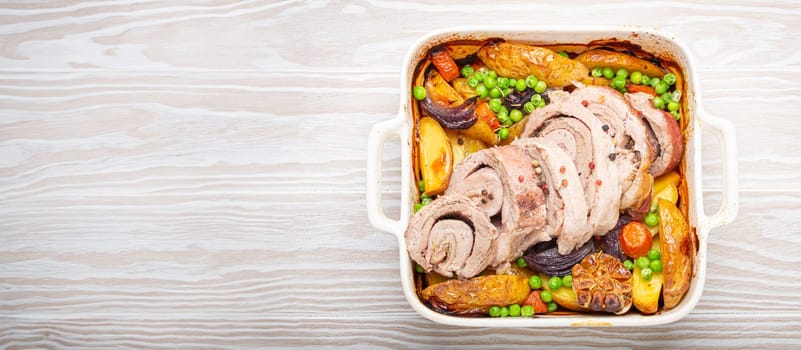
390 331
265 36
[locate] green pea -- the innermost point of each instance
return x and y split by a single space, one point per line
608 73
669 79
597 72
535 99
419 268
495 104
512 82
503 133
492 74
419 93
563 54
673 106
529 107
467 71
656 265
505 120
490 82
653 254
480 76
636 77
503 82
535 282
661 88
418 206
540 87
527 311
421 185
676 115
504 311
552 307
495 92
647 273
622 72
514 310
652 220
676 96
567 281
540 104
472 82
426 200
508 91
646 80
520 85
643 262
618 83
659 103
495 311
482 91
531 81
628 264
667 97
546 296
555 283
654 81
516 115
503 112
521 263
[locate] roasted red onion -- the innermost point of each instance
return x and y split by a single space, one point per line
544 257
459 117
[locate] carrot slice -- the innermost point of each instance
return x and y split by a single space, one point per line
485 113
445 64
640 88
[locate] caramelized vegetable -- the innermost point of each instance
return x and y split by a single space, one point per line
444 63
519 61
634 88
671 178
617 60
564 296
478 294
483 111
436 156
441 91
536 302
670 193
635 239
459 117
677 251
460 51
645 294
460 85
481 131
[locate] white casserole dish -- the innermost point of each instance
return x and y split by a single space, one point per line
651 41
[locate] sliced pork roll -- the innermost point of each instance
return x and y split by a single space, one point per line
503 183
564 193
670 142
634 148
451 236
580 134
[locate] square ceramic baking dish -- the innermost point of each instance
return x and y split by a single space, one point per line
660 44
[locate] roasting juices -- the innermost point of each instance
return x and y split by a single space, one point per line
549 179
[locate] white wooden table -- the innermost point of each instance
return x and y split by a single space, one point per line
191 175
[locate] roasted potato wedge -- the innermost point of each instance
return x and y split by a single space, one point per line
565 297
461 51
462 145
645 294
671 178
519 61
478 294
436 156
617 60
677 252
460 85
483 132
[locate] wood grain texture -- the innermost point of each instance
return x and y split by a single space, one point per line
191 174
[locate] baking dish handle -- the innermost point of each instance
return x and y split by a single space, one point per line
378 135
728 206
